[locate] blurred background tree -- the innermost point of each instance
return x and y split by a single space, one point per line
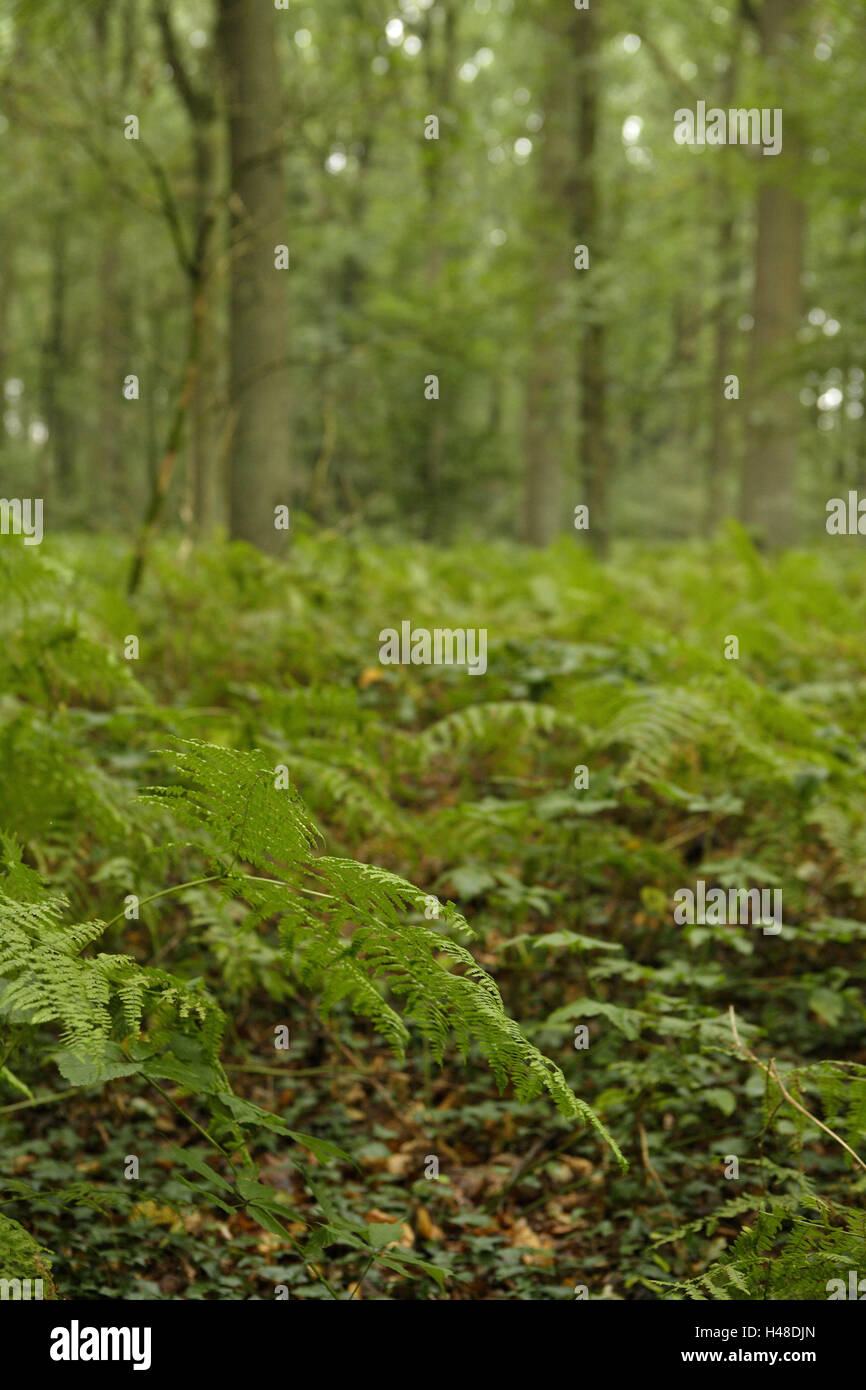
413 257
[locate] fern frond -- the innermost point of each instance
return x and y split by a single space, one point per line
44 978
358 937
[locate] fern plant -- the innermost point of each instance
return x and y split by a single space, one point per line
355 932
24 1262
367 933
795 1240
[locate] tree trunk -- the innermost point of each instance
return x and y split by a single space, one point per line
204 493
719 458
54 362
592 370
542 482
258 317
113 336
767 494
206 490
440 81
548 427
114 365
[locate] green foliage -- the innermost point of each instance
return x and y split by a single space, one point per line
21 1257
355 933
357 940
413 797
489 292
45 978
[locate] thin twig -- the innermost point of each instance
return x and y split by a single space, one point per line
770 1069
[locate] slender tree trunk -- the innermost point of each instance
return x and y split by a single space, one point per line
719 458
168 462
546 433
258 314
592 367
767 495
7 290
542 481
203 490
112 370
113 366
440 81
54 361
204 493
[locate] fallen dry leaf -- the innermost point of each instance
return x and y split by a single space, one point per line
523 1234
427 1227
398 1164
581 1166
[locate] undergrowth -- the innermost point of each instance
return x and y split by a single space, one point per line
255 824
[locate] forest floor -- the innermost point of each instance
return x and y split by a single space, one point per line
740 772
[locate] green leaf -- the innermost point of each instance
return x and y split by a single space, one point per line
263 1196
380 1232
248 1114
270 1223
722 1098
199 1077
322 1148
89 1071
554 940
828 1005
471 881
207 1193
190 1159
628 1021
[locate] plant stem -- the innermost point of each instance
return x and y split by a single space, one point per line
189 1119
175 888
40 1100
771 1071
